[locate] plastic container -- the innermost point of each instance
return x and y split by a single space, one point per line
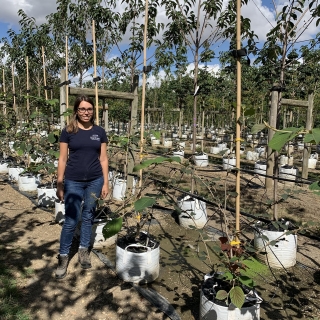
167 143
138 267
228 163
46 196
312 163
212 311
59 211
28 182
193 212
289 173
201 160
282 254
14 173
214 150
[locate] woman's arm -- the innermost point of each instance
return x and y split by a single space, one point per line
105 170
63 157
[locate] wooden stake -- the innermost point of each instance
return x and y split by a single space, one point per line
67 78
28 100
143 98
13 89
202 132
44 74
307 148
238 126
95 71
4 91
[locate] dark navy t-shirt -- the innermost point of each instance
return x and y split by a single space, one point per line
84 151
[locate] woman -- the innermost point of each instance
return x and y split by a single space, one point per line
82 179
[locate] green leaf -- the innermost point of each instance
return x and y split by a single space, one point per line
52 138
313 136
257 128
250 249
280 138
246 281
157 134
234 259
222 295
237 296
315 186
112 227
273 242
228 275
249 112
157 160
143 203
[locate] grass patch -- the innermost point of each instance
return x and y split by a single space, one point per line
10 295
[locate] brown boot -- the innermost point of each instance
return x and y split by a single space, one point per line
61 271
84 258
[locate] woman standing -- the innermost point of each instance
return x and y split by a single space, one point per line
82 178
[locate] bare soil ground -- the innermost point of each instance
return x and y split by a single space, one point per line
29 245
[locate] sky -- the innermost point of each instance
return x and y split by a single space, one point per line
260 12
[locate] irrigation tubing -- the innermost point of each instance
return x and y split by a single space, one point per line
227 207
299 179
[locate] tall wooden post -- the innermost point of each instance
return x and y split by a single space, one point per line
307 147
180 122
28 86
238 125
63 99
273 123
67 80
105 116
132 129
149 117
4 92
202 132
44 74
95 71
13 90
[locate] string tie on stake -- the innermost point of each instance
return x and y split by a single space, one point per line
238 139
96 79
65 83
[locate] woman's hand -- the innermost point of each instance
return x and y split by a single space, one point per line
60 191
104 191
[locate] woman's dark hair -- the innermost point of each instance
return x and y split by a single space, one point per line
72 127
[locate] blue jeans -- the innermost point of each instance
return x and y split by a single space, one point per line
74 193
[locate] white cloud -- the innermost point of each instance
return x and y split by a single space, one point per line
38 9
263 19
211 68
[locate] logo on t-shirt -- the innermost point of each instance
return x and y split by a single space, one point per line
95 137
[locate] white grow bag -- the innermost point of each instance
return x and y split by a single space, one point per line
97 239
138 267
228 163
4 167
194 213
289 173
282 254
209 310
312 163
212 311
201 160
14 173
46 196
120 187
28 182
59 211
